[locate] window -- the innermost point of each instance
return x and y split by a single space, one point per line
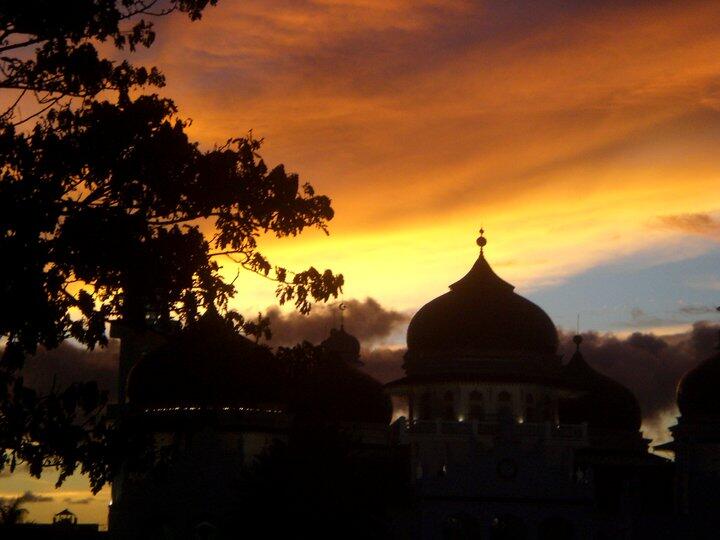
426 406
548 411
449 406
504 408
530 411
477 406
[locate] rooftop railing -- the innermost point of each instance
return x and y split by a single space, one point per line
543 430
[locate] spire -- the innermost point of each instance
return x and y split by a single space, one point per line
481 278
718 345
481 240
577 361
577 340
342 307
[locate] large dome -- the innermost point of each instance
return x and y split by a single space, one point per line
697 395
481 315
602 402
207 365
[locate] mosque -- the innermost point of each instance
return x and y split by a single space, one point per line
495 436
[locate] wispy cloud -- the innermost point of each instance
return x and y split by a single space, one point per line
698 224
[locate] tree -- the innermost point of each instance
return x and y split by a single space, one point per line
12 512
49 49
108 211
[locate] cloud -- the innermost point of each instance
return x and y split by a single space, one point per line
366 319
640 319
384 363
68 364
700 224
83 500
694 310
30 497
649 365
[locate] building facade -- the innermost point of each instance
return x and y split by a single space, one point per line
497 436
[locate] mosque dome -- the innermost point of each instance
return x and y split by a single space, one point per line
208 364
345 345
697 394
598 400
481 315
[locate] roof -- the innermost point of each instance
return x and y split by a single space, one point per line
481 313
697 394
598 400
208 364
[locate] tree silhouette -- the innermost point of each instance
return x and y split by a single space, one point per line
110 212
49 50
12 512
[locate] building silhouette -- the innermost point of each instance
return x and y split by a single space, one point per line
495 435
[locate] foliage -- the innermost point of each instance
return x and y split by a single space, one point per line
52 50
11 511
109 211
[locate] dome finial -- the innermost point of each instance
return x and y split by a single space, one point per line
481 240
342 307
577 340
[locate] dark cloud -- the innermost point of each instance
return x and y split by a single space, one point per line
383 363
83 500
649 365
29 497
365 319
68 364
697 310
640 319
698 224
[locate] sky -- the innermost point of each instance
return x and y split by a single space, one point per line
582 137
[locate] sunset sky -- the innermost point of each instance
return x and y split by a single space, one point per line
584 139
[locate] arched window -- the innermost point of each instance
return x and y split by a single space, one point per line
426 406
504 408
548 411
449 406
477 406
530 411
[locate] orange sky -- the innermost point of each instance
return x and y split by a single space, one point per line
567 132
570 131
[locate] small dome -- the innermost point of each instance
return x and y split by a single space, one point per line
206 364
345 345
330 389
599 400
697 394
482 315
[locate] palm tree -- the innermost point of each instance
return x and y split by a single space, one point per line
11 511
